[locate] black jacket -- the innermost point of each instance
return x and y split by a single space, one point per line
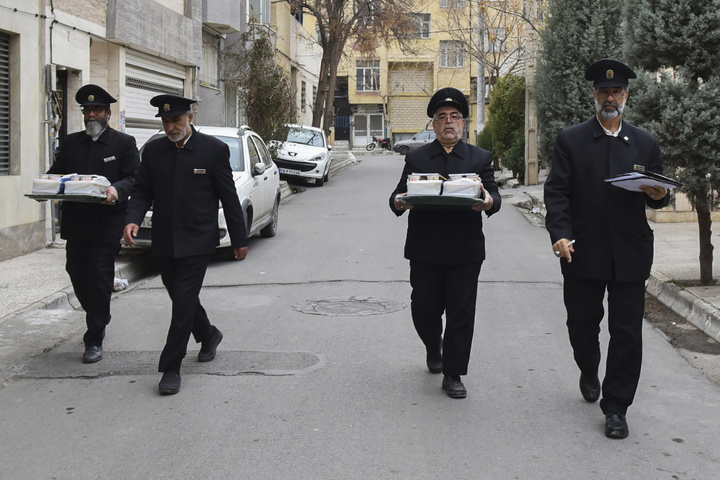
447 236
612 237
185 186
114 156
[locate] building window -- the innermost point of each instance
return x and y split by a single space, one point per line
495 40
314 95
452 3
423 20
368 75
257 11
303 97
452 55
4 104
209 66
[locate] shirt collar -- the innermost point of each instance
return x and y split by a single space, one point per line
608 132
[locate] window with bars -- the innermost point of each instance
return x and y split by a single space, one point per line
452 3
423 21
452 55
368 75
209 66
495 40
303 96
4 104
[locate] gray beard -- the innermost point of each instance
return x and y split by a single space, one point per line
610 114
94 127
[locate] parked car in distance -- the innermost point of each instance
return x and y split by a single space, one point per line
301 152
257 182
416 141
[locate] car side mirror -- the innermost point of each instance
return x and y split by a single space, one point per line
259 168
329 147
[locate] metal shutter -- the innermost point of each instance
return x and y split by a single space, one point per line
4 104
145 77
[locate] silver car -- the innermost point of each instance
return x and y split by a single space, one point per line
416 141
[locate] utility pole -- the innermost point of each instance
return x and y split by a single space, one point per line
481 70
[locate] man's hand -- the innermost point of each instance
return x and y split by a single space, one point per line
130 232
112 196
399 204
240 253
656 193
563 248
487 202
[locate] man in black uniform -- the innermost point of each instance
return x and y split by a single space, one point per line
602 236
92 231
446 247
184 175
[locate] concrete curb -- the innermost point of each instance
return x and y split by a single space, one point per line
695 310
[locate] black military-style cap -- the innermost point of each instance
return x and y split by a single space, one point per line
93 95
609 73
448 96
170 105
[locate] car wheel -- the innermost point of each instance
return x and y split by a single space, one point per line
403 150
370 147
270 229
327 175
319 182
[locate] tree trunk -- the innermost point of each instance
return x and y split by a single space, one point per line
320 100
706 247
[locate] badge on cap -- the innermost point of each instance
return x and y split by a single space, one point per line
91 98
609 74
449 99
166 107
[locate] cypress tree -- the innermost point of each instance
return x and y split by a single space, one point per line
576 34
678 100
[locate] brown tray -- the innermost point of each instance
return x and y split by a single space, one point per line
97 198
440 200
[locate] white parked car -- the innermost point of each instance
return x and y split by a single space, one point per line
301 152
257 181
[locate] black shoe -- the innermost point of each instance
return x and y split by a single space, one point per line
209 348
93 354
616 426
590 387
433 358
170 383
453 386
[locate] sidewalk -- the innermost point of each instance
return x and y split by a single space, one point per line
38 281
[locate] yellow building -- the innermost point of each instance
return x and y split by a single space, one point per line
386 95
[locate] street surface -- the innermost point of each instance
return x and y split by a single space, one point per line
321 375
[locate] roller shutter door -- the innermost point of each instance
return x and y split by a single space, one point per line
145 77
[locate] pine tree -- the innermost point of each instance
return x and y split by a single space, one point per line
678 42
576 34
507 123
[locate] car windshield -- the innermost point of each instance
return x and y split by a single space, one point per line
237 158
299 135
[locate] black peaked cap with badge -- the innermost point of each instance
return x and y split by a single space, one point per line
609 72
93 95
448 96
171 105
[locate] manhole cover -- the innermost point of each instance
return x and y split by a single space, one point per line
349 307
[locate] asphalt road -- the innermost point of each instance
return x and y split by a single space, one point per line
321 376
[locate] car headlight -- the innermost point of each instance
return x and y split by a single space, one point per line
317 159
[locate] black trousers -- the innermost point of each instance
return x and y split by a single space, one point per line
91 266
626 308
183 278
449 289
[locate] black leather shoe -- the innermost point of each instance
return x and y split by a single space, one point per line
170 383
616 426
93 353
209 348
434 364
453 386
590 387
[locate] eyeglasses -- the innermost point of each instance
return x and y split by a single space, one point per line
606 92
96 109
442 117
